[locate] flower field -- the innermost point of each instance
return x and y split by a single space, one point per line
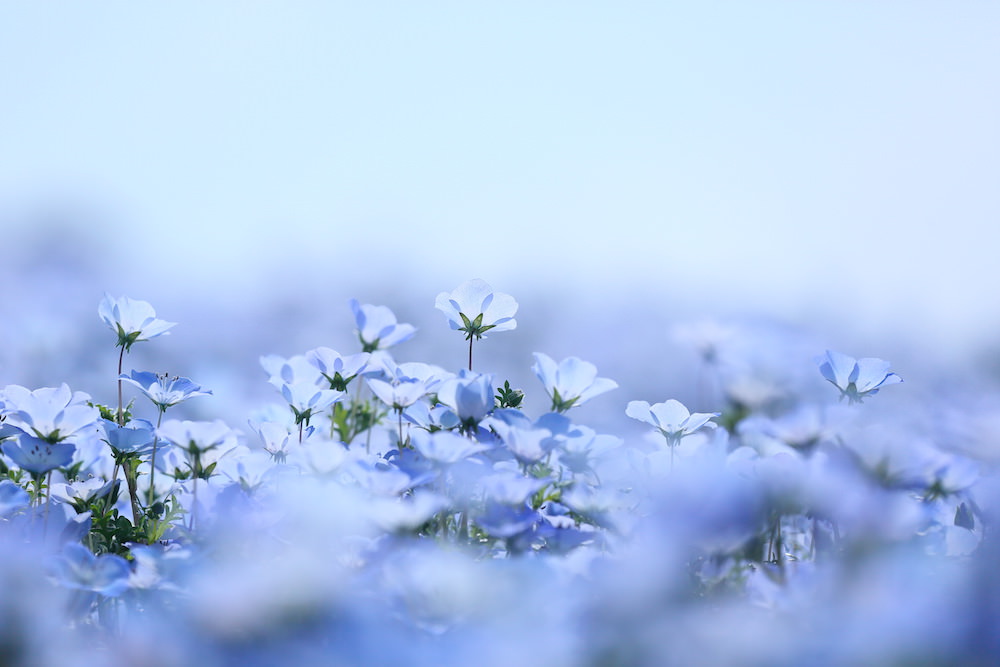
390 511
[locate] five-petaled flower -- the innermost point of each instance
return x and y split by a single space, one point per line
571 382
377 327
162 389
856 378
474 308
671 418
131 319
52 414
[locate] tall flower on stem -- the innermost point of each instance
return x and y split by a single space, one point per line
474 308
133 321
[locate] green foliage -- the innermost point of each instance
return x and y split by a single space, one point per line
507 397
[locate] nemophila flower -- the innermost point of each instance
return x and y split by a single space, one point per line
470 395
672 419
82 493
445 447
398 395
131 319
52 414
407 513
294 369
163 390
474 308
528 445
38 456
275 439
856 378
306 399
377 327
571 382
134 437
509 488
195 440
77 568
338 370
12 498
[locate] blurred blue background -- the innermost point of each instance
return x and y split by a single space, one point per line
247 167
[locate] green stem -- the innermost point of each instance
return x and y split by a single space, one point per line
470 352
399 411
121 412
131 468
152 460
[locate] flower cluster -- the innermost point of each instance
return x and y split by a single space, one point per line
383 511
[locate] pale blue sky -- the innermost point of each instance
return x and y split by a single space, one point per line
841 156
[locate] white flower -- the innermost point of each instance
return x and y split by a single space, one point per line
570 383
672 419
474 308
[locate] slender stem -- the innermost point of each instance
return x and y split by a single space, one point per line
48 501
121 412
400 412
470 352
131 469
300 432
194 501
152 460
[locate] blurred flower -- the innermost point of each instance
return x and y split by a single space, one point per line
377 327
199 442
570 383
672 419
474 308
297 368
77 568
12 498
164 391
131 319
445 447
856 378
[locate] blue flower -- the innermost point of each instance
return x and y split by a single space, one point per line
77 568
570 383
377 327
136 436
474 308
39 456
470 395
445 447
671 418
164 391
131 319
856 378
12 498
